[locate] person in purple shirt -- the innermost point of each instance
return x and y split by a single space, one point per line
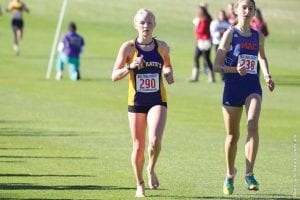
70 48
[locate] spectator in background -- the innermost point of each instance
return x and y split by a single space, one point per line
1 11
257 23
203 46
204 4
231 16
218 27
70 48
17 7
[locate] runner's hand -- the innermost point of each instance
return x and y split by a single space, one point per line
241 70
270 84
138 63
168 74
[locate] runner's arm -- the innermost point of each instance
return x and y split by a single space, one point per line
221 54
167 68
119 70
25 8
262 57
263 61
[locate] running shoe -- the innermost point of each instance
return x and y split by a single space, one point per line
16 49
153 181
251 183
59 76
140 190
228 187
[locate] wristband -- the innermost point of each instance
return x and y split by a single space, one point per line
222 69
268 76
128 67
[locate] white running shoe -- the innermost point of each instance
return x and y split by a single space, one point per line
16 49
59 76
140 190
152 180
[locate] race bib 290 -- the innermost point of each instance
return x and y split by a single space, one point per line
147 83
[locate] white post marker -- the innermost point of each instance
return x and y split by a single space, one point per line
56 37
295 167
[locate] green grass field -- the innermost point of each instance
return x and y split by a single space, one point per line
70 140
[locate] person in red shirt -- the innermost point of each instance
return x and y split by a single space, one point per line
258 23
203 39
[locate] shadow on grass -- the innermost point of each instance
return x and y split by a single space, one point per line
45 56
44 175
12 161
28 56
50 157
25 148
94 79
14 132
254 196
9 198
13 121
27 186
288 80
21 132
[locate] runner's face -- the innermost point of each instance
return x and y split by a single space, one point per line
245 10
145 24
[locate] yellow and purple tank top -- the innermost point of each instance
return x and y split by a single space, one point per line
146 87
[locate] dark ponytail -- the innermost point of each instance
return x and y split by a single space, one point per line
206 13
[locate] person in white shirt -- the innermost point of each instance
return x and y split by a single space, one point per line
218 27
